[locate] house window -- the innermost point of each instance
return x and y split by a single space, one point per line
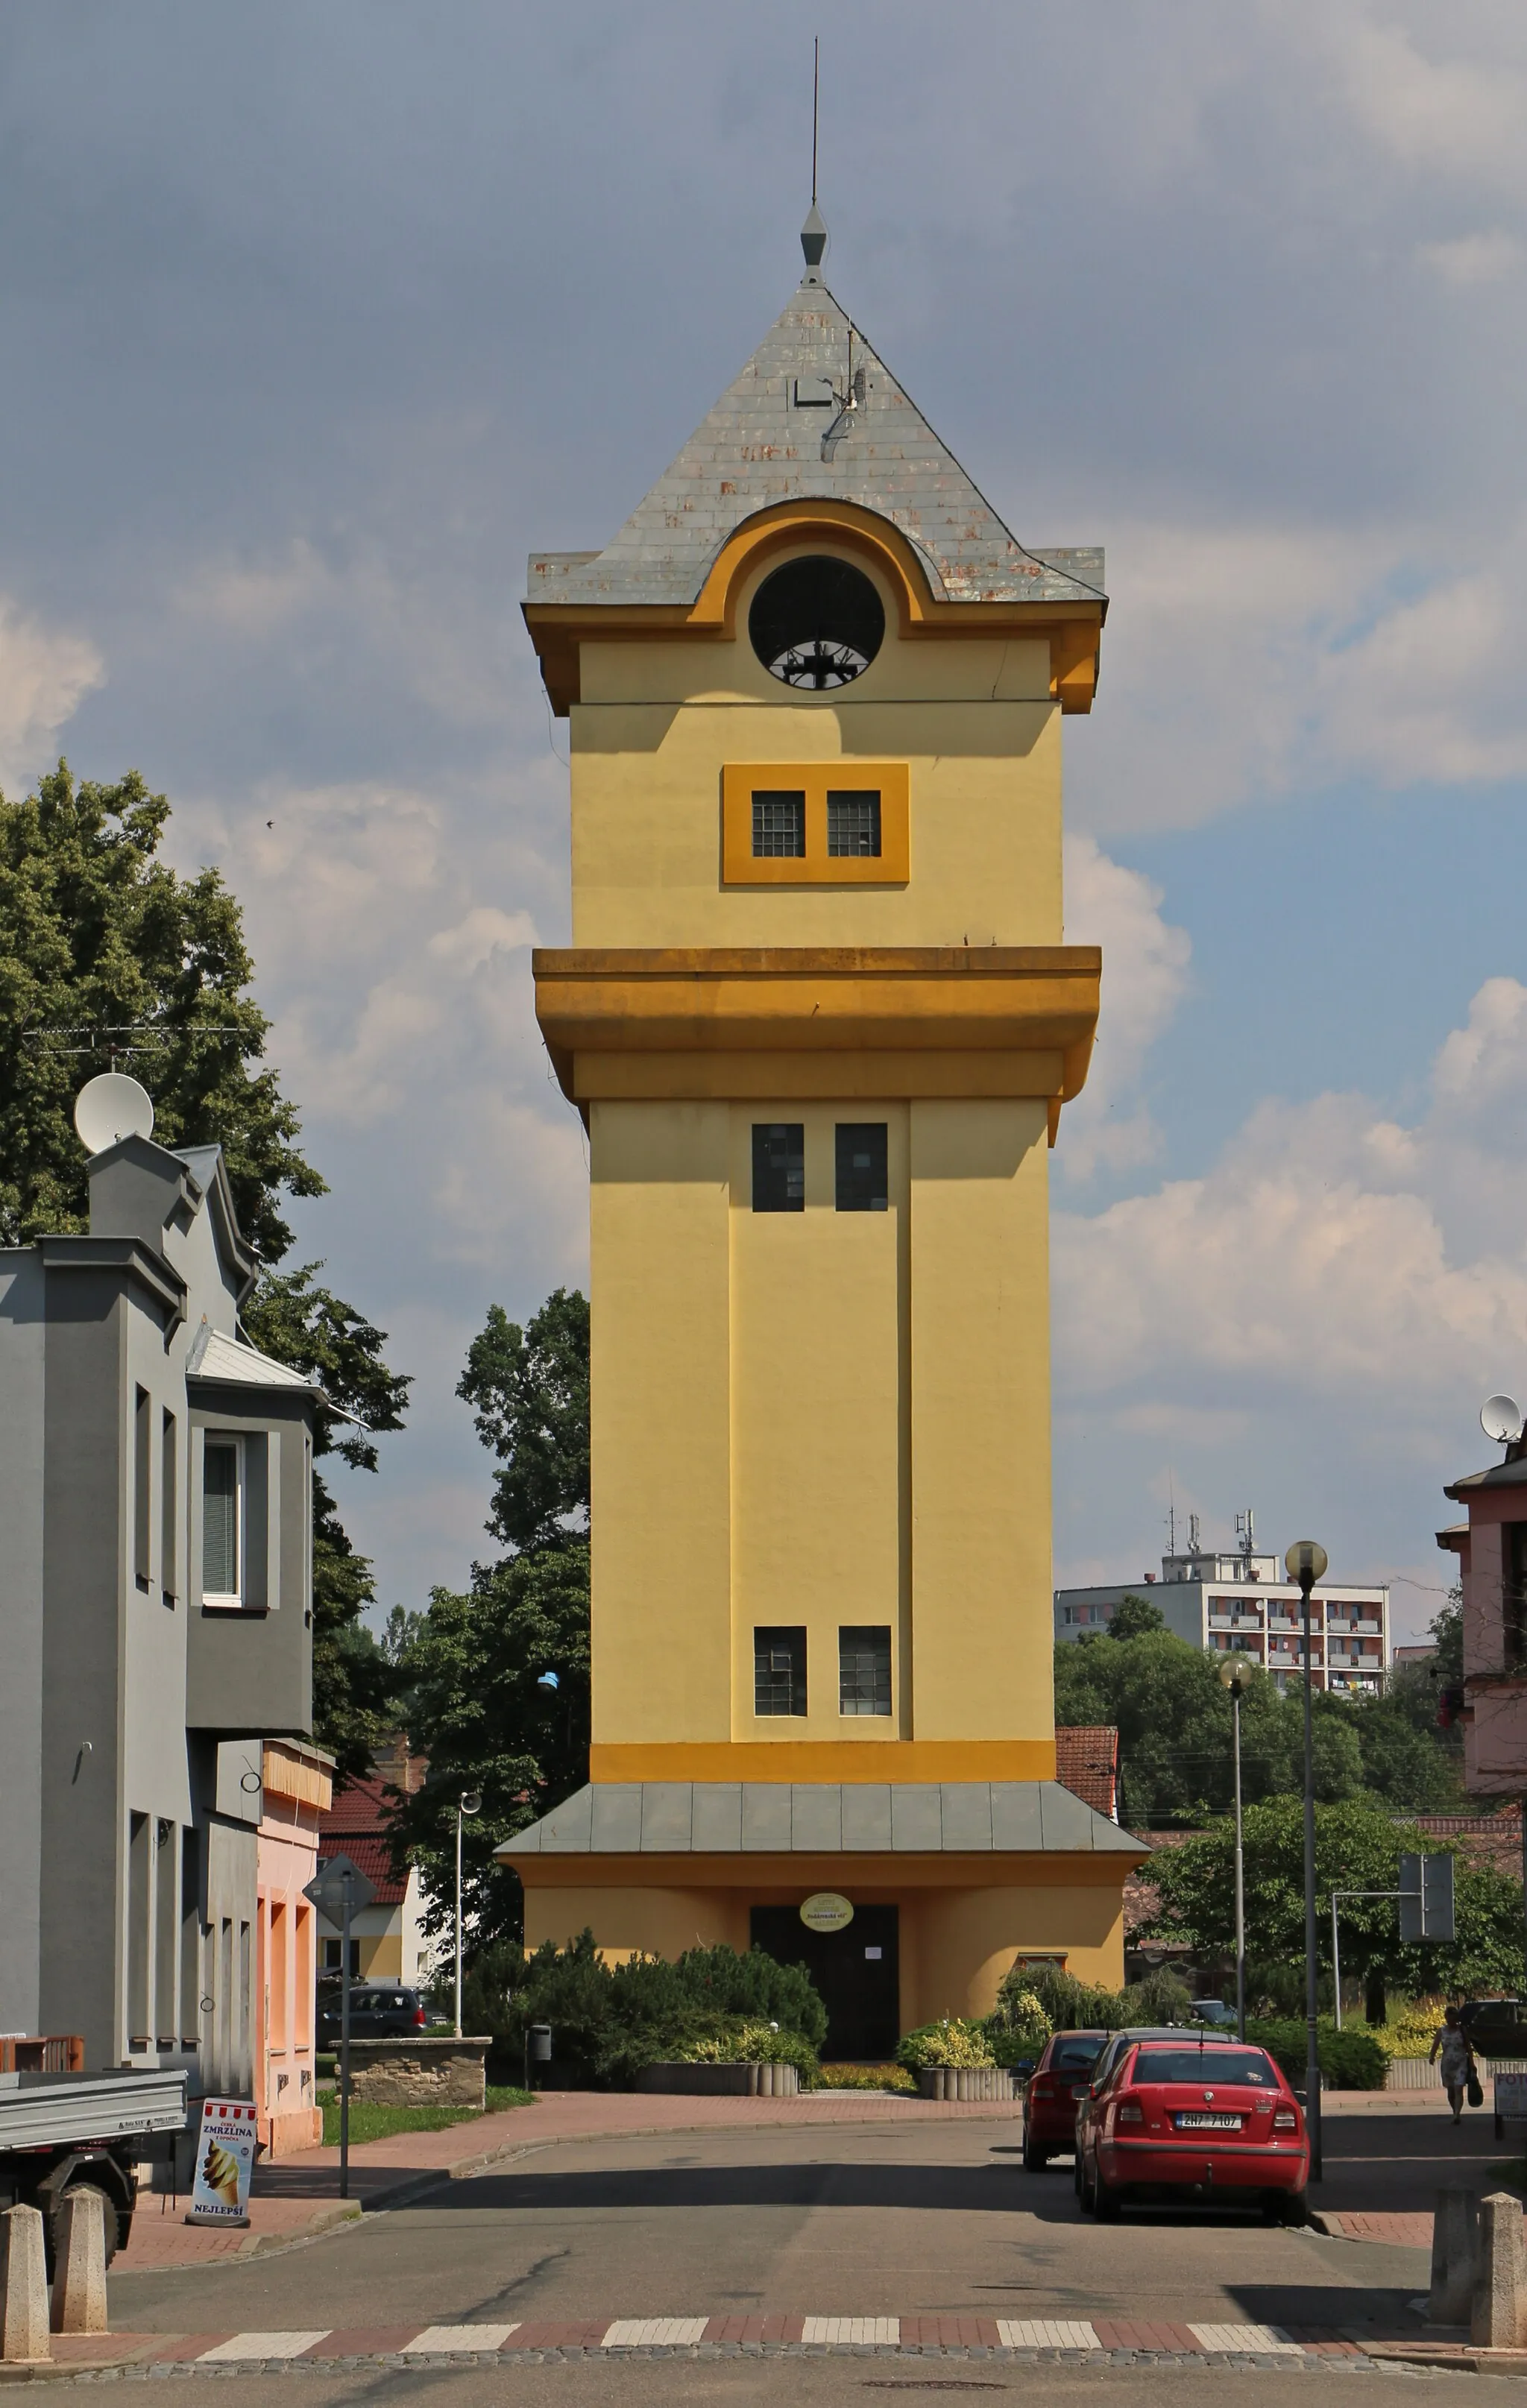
864 1669
142 1423
779 1167
1513 1592
779 1671
334 1957
853 824
169 1553
861 1182
779 826
223 1522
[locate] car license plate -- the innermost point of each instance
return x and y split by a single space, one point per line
1194 2122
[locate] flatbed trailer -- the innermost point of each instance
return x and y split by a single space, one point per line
64 2131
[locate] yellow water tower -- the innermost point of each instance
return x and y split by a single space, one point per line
820 1022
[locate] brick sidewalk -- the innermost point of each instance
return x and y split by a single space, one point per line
294 2198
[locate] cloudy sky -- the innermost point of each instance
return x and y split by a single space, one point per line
315 319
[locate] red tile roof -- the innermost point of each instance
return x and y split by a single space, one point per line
1086 1764
356 1826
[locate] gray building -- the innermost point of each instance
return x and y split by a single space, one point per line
155 1618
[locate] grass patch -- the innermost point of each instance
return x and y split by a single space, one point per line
370 2121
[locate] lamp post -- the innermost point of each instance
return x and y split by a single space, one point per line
1235 1672
1305 1562
469 1802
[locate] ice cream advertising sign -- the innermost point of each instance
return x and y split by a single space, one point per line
224 2161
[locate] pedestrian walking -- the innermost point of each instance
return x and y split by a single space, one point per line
1450 2043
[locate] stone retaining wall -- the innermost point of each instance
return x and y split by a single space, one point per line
750 2081
419 2069
964 2082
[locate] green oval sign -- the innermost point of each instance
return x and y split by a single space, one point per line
825 1911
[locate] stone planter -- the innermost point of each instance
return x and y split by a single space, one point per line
419 2069
964 2082
722 2081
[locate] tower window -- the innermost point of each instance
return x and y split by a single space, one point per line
779 1671
779 826
853 823
862 1185
779 1167
864 1669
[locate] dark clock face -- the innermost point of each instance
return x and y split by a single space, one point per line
817 622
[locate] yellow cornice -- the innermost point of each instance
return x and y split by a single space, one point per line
824 1759
897 1020
862 1876
1073 628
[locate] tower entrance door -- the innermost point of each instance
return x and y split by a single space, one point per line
856 1972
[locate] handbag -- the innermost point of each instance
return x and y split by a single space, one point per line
1474 2088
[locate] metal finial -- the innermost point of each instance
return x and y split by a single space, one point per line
813 242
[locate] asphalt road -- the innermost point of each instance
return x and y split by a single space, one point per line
849 2219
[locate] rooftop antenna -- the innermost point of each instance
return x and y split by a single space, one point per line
1192 1534
1171 1513
814 234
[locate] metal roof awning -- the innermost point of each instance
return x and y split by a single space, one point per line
816 1818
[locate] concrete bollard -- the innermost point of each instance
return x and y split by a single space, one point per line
79 2269
1500 2281
1454 2240
24 2286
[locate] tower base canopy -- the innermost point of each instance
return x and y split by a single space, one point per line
949 1885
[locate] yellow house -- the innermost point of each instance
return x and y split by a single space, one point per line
820 1022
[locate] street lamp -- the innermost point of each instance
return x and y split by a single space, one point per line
1235 1672
1305 1562
469 1802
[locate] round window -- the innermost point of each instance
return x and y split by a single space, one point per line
817 622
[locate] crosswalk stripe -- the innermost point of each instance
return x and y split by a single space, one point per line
853 2328
458 2336
1263 2338
264 2344
654 2332
1045 2332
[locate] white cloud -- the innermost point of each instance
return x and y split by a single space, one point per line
1145 973
1456 117
45 674
1483 258
1329 1254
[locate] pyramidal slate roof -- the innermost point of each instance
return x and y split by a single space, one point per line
779 433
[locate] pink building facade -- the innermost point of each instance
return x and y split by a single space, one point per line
298 1789
1492 1550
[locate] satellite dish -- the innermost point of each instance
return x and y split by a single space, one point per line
1500 1418
111 1108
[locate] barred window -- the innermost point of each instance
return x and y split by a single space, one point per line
864 1669
779 1671
779 1167
862 1186
779 826
853 824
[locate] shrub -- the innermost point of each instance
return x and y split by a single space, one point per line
743 2044
953 2041
1350 2059
608 2021
1067 2004
1410 2033
865 2077
1159 1998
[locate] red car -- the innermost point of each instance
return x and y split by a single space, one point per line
1062 2077
1200 2118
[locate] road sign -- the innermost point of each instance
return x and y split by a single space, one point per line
1426 1898
337 1883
